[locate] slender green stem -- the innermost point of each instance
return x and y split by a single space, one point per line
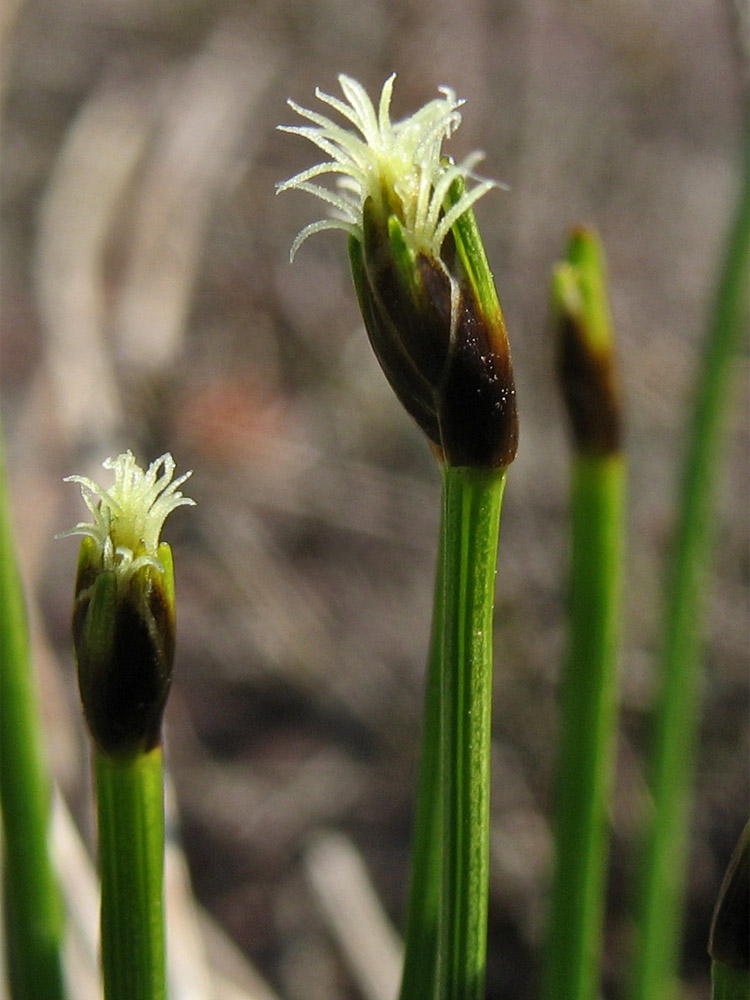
130 803
472 501
422 939
33 904
574 943
675 716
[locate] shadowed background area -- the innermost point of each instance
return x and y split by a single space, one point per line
148 302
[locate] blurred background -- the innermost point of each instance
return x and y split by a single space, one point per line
148 302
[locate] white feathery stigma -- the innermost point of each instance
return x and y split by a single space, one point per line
383 158
129 516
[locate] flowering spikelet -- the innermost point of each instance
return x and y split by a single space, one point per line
400 165
424 287
124 609
129 516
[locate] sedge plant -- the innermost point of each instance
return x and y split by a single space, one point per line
588 379
124 638
33 909
434 321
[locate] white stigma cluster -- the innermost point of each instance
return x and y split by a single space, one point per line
403 158
129 516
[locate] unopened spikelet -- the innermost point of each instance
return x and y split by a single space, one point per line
124 609
586 362
425 289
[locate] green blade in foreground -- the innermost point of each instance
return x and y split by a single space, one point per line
33 903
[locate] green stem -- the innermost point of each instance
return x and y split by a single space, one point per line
33 904
675 716
130 802
472 501
574 943
422 939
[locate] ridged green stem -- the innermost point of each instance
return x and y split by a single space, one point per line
33 904
472 501
447 917
660 914
589 716
130 806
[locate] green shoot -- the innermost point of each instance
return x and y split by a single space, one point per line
589 715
